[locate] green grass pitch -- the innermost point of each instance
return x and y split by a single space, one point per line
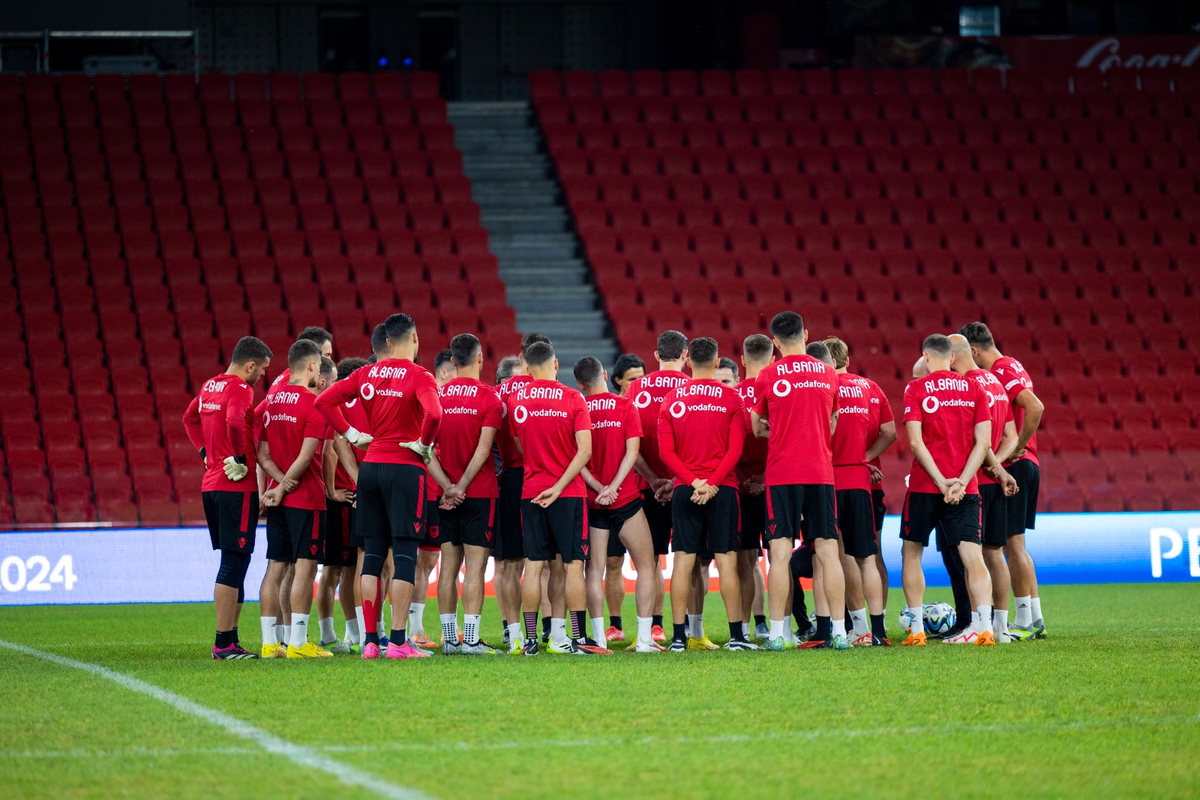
1108 706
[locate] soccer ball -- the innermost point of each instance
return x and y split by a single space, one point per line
939 617
906 618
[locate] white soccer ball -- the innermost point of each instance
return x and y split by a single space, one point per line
939 617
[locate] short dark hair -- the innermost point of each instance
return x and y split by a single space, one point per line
443 358
978 334
588 371
624 363
302 351
532 338
758 348
819 351
728 363
507 367
463 349
372 359
671 345
398 326
703 351
938 343
347 366
839 350
379 339
787 326
539 353
328 368
316 334
250 348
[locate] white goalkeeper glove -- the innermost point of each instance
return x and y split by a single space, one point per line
235 468
357 438
425 451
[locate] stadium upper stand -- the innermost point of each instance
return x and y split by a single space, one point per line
1060 207
149 222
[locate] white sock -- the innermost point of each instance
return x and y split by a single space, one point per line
918 621
416 617
777 628
839 627
859 621
983 619
1000 619
471 628
299 633
327 634
1024 612
598 630
284 633
362 624
746 629
975 621
1036 608
353 635
644 625
449 627
558 629
696 626
789 635
268 630
514 632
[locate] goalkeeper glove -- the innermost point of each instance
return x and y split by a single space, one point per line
425 451
235 468
357 438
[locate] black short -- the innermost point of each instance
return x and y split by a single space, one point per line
856 520
295 533
879 507
613 520
754 521
1022 506
995 514
232 520
924 511
709 528
391 501
473 522
509 539
560 530
801 510
658 517
340 549
433 538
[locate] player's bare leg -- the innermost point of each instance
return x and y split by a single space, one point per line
1024 583
912 578
997 567
855 600
327 586
635 535
614 595
547 611
594 581
731 594
508 574
283 626
696 598
833 583
346 589
531 600
979 586
427 560
881 568
681 587
779 587
758 608
557 594
447 595
476 558
304 572
269 611
745 570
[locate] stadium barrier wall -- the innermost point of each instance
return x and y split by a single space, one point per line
171 565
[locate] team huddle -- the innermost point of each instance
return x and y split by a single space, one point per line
378 468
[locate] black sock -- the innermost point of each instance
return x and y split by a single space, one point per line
236 640
824 628
530 624
579 624
877 627
545 626
371 638
760 619
615 622
735 632
504 625
656 620
680 633
397 636
225 639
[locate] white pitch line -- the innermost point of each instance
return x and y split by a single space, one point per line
298 754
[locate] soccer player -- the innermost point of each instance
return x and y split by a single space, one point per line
471 417
401 404
647 393
727 372
294 434
757 353
796 411
220 424
322 338
861 435
626 370
995 484
342 547
701 428
552 428
1023 465
509 551
614 502
950 430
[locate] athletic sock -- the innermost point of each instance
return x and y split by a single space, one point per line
918 622
530 624
681 633
545 626
449 628
1024 612
877 627
281 635
644 625
1000 619
838 627
362 626
975 622
760 619
514 631
695 626
236 640
268 630
824 629
471 628
735 632
777 628
745 630
615 622
327 633
858 620
578 624
984 623
558 629
1035 608
598 630
416 616
224 639
656 619
398 636
370 621
353 631
299 633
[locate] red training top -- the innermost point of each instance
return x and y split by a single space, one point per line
290 417
546 416
754 451
647 393
948 406
798 395
857 429
998 407
352 410
510 454
221 420
701 428
468 406
614 422
1015 379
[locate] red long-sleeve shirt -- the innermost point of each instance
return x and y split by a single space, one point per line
221 420
701 429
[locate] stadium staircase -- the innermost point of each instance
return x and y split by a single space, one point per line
530 230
